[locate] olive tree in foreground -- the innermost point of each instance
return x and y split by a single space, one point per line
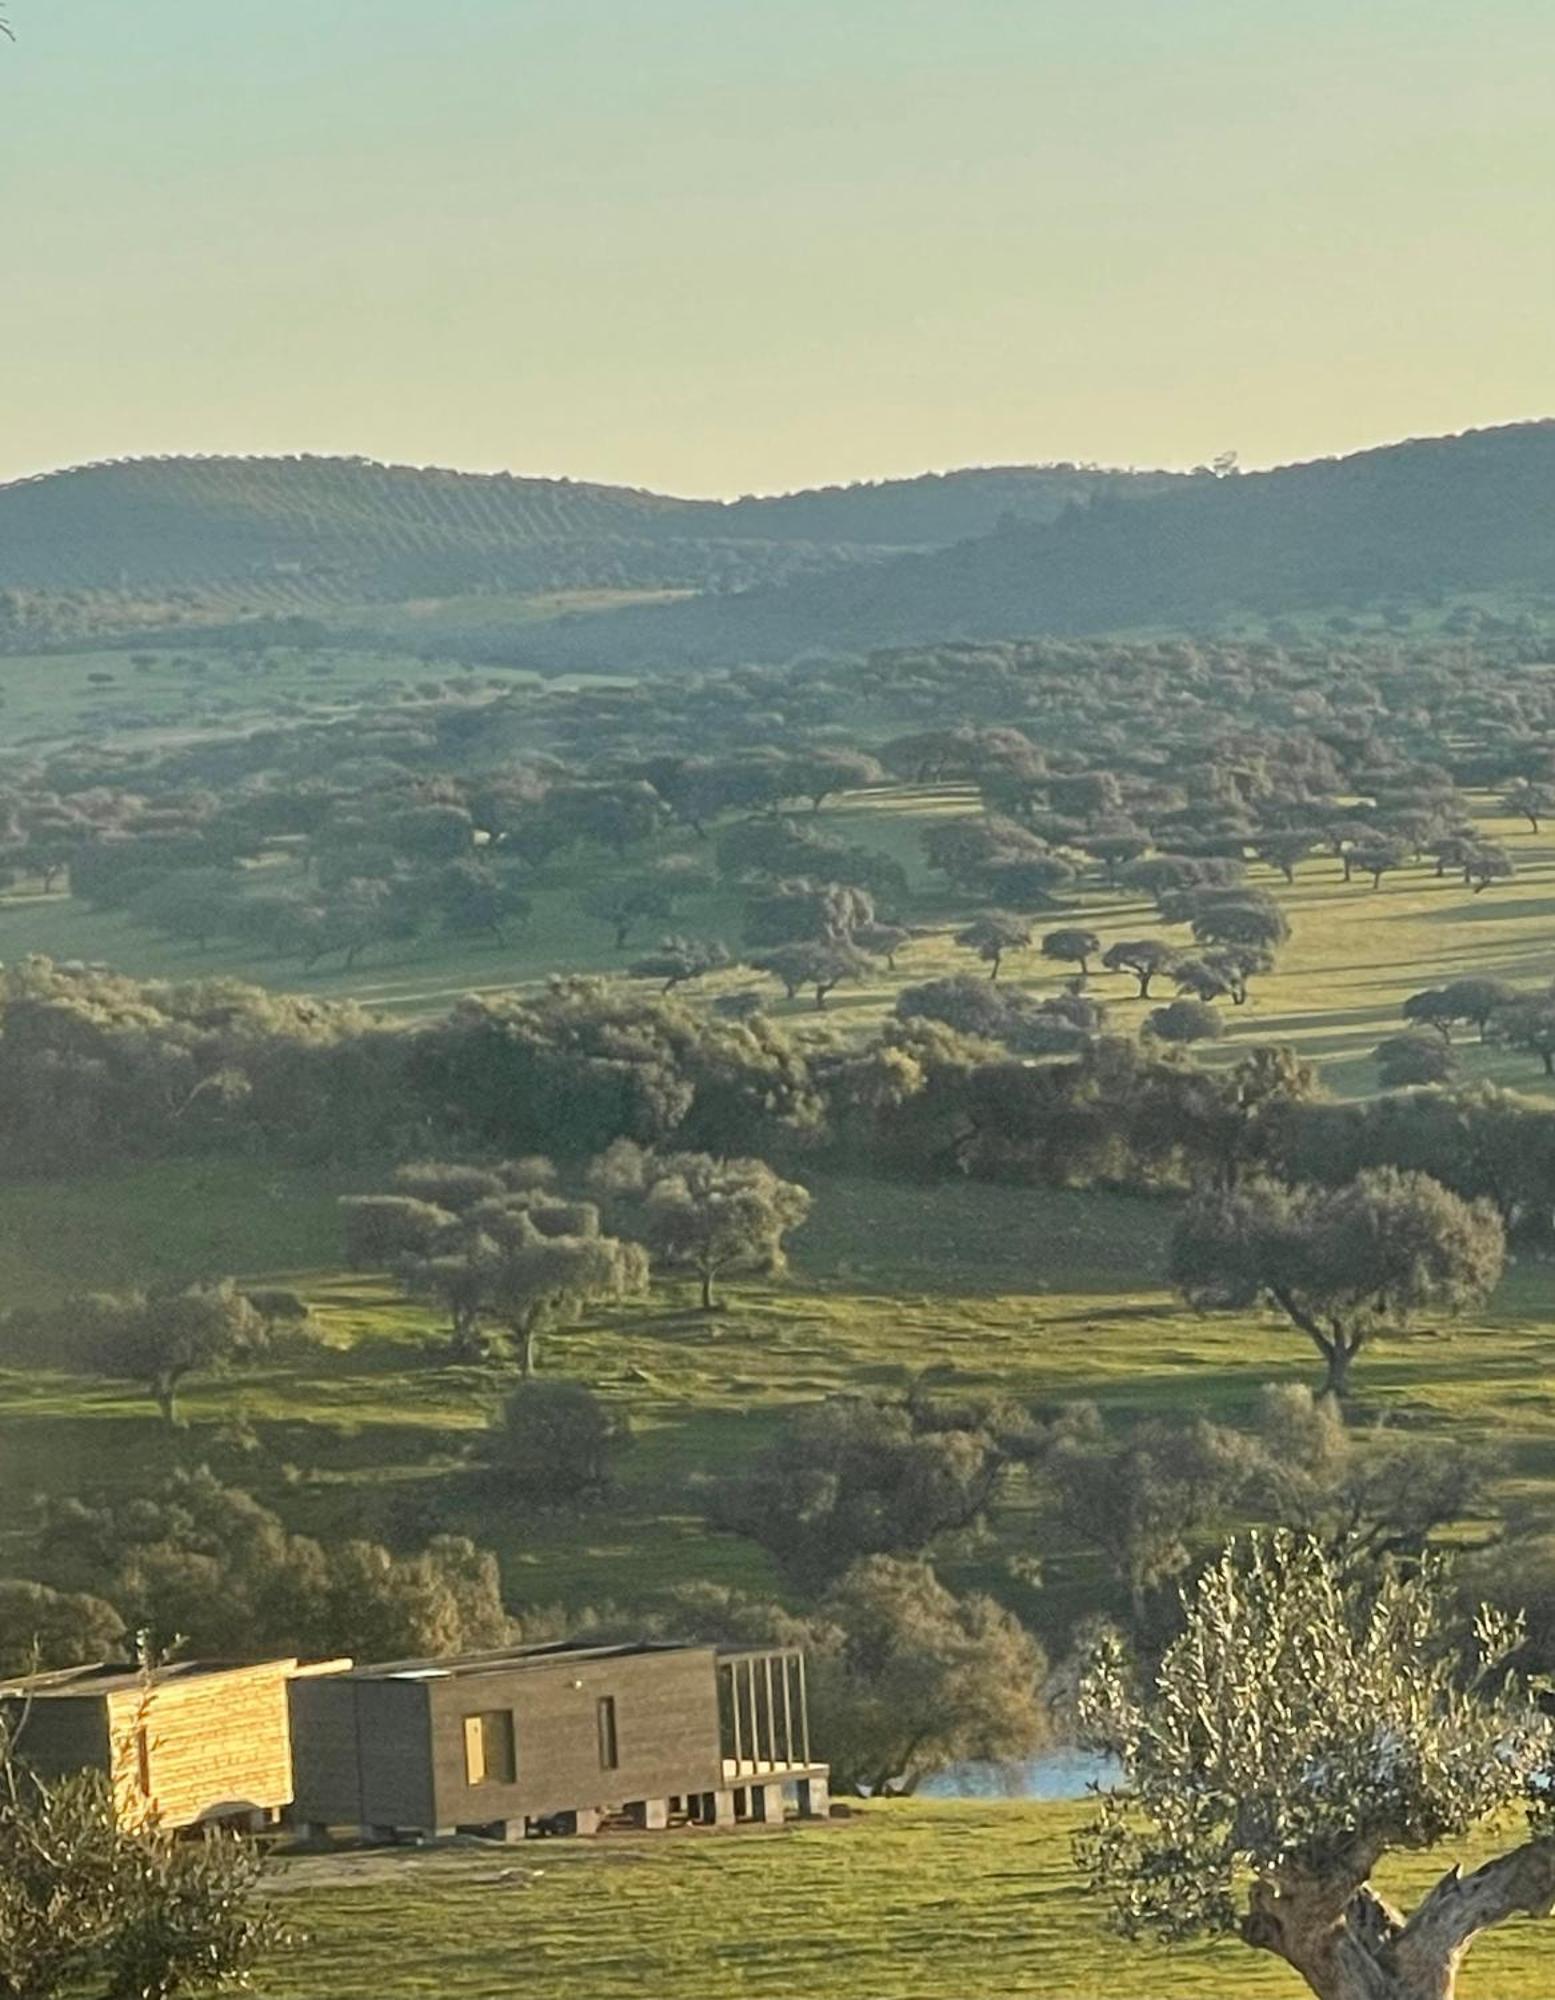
91 1906
1342 1264
1310 1720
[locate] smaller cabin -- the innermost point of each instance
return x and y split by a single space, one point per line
557 1738
191 1743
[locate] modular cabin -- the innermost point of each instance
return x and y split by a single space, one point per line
554 1738
184 1744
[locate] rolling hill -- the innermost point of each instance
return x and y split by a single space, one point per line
1409 522
978 554
235 535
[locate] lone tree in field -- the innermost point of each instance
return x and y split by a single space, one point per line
992 936
1406 1062
1376 858
1146 958
906 1677
1525 800
159 1338
679 960
1186 1021
1486 862
1343 1264
703 1214
820 964
1072 946
536 1279
1311 1719
1528 1023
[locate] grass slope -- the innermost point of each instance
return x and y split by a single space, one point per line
158 694
1354 956
1052 1297
907 1900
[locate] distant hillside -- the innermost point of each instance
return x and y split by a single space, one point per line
1411 521
263 534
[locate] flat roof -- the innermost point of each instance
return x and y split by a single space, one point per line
115 1677
508 1658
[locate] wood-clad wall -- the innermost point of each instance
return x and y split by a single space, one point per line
211 1743
666 1727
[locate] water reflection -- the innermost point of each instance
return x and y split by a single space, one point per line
1056 1774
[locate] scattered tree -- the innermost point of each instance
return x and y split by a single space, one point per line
554 1443
1186 1021
1072 946
702 1214
1147 958
1405 1061
992 935
1343 1264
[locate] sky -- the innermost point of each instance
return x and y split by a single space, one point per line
726 246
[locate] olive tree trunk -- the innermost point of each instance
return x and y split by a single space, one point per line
1347 1943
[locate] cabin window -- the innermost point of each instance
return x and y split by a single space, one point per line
609 1747
490 1753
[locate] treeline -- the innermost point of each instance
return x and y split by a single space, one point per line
95 1069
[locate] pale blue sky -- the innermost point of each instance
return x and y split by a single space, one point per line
727 245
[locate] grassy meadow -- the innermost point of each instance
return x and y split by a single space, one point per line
1045 1295
904 1901
1355 953
143 696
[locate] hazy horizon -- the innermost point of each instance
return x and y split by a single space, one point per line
720 246
818 484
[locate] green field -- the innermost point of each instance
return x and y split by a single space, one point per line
1047 1295
902 1902
157 694
1354 956
1052 1297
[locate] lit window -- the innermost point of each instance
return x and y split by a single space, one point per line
490 1753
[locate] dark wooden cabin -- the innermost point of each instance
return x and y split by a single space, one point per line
554 1738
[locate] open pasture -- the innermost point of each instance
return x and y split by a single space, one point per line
1045 1296
913 1900
1354 956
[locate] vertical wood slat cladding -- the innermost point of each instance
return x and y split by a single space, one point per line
390 1749
666 1709
362 1752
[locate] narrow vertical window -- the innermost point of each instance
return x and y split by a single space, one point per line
609 1748
143 1761
474 1751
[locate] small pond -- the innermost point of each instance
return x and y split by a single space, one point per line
1056 1774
